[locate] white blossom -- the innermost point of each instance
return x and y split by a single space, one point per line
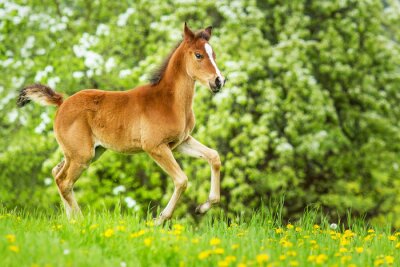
119 189
93 60
78 74
123 18
124 73
12 116
48 181
52 82
110 64
130 202
103 29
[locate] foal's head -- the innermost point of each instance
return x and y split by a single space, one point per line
200 59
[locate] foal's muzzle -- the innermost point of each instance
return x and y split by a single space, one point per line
218 84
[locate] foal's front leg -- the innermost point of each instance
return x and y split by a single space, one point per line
194 148
165 159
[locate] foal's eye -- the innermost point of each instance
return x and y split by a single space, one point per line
198 56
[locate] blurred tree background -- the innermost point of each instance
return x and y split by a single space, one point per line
311 109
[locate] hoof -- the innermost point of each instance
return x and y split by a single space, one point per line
203 208
159 221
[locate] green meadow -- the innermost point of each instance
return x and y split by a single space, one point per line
113 239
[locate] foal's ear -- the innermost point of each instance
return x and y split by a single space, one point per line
188 34
208 30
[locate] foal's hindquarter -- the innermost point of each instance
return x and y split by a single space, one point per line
153 119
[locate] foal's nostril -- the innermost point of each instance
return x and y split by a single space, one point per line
218 83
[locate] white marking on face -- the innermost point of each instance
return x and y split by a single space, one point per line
209 51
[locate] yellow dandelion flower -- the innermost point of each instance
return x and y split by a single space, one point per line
298 229
368 237
230 258
286 243
241 233
293 263
10 238
279 230
398 245
316 226
194 240
215 241
14 249
235 246
147 241
137 234
177 227
321 258
311 258
93 226
150 223
282 257
349 233
292 253
359 249
241 265
218 251
392 238
109 233
371 231
57 227
389 259
121 228
343 250
379 262
223 263
352 265
204 254
344 242
289 226
313 242
345 259
262 258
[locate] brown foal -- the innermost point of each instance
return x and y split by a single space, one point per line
156 118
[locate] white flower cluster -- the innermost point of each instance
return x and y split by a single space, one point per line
29 43
13 12
42 126
92 60
43 73
123 18
44 21
131 203
119 189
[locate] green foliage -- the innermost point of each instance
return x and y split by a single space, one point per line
311 108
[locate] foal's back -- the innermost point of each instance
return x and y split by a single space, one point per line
114 119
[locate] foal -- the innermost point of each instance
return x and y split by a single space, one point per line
156 118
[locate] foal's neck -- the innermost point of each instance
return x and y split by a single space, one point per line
177 80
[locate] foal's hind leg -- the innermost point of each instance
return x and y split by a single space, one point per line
57 168
194 148
66 179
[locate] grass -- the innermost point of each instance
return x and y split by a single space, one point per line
105 239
